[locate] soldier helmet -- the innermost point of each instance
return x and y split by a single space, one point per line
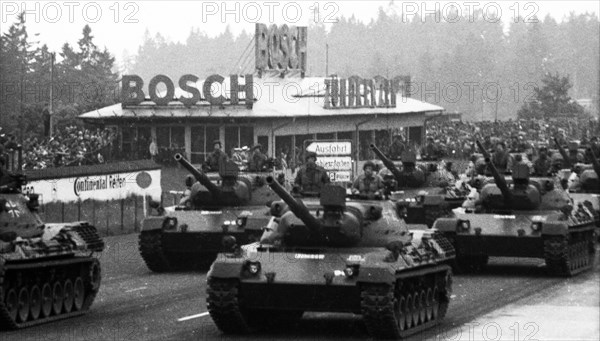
309 155
369 164
258 145
189 180
217 142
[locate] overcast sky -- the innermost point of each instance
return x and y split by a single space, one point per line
121 26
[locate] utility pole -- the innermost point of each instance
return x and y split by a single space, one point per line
21 108
326 60
50 106
497 99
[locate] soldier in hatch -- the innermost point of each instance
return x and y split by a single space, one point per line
216 159
310 177
368 184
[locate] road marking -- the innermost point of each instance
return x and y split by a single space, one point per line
191 317
137 289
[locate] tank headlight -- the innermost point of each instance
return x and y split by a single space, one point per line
351 271
170 223
253 268
465 225
240 222
536 226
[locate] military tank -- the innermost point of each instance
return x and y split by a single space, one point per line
419 204
582 181
47 271
527 219
188 236
330 254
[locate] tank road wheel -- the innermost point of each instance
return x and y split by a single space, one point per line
150 246
46 300
69 293
409 308
12 304
423 306
416 309
401 311
58 297
35 305
78 294
23 304
429 303
436 303
95 275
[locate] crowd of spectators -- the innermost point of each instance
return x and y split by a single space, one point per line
457 139
70 146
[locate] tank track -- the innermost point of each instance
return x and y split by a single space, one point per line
223 306
569 255
46 281
417 301
150 246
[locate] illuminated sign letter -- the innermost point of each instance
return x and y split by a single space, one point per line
170 90
132 94
183 84
207 93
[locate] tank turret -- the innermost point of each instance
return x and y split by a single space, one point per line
498 179
563 153
231 192
595 162
386 162
335 227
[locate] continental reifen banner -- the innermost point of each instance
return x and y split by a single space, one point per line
101 182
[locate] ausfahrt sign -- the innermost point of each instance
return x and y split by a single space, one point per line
335 157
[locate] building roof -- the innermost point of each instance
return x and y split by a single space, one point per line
275 97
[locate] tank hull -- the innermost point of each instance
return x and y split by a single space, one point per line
396 297
194 243
566 245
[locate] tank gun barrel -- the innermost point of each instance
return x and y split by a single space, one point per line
387 162
499 180
199 175
563 153
595 162
299 210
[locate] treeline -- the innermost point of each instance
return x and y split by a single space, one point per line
456 65
84 80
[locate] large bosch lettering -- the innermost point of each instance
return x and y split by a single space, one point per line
132 90
280 48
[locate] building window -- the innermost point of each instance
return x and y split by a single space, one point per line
264 142
202 142
365 138
238 136
170 140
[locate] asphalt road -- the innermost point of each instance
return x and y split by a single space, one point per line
136 304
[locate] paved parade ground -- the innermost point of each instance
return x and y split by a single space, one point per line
511 300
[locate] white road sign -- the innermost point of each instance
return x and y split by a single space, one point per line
330 148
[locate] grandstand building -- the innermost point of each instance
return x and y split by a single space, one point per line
276 107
